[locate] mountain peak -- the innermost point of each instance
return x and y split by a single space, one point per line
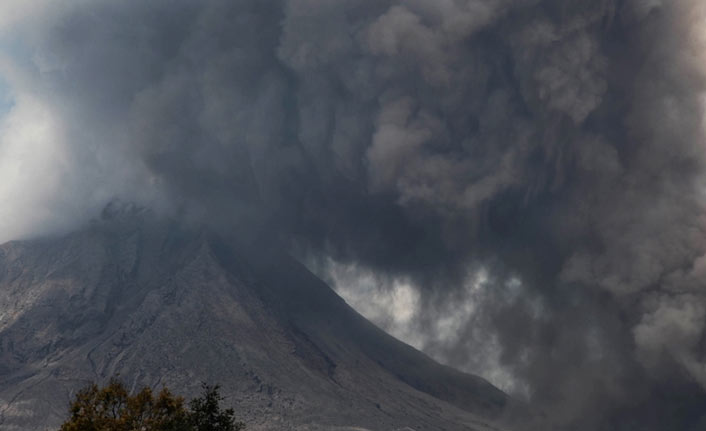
162 304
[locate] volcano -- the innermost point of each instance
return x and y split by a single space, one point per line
161 304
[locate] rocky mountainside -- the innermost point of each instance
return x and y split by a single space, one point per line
160 304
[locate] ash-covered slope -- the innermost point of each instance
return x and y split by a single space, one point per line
160 304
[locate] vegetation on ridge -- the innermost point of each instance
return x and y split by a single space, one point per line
112 408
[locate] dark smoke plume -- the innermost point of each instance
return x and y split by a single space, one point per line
542 159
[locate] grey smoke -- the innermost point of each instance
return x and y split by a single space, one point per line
554 146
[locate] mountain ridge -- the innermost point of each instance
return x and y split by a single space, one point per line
159 303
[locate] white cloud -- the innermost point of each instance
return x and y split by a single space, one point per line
55 171
32 167
397 306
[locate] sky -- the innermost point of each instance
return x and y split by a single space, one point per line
514 186
6 100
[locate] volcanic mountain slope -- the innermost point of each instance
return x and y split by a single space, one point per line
159 304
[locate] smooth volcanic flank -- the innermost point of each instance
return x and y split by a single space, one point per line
160 304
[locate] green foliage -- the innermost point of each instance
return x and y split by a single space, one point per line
112 408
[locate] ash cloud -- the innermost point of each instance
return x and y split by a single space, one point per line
554 146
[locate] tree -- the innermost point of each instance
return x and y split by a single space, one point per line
206 415
112 408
